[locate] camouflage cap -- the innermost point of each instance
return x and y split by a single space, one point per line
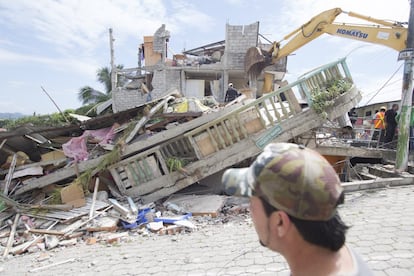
291 178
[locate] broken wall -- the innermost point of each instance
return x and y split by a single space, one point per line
125 99
164 80
161 37
150 56
239 38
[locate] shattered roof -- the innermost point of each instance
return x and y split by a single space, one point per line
207 49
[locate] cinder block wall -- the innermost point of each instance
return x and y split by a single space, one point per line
124 99
163 81
239 38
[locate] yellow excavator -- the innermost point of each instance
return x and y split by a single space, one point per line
271 63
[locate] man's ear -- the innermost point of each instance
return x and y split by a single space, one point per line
279 223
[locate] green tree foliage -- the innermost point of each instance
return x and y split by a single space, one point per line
51 120
89 95
324 98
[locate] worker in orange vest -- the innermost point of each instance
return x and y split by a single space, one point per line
379 125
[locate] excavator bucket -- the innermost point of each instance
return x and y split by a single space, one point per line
258 64
257 59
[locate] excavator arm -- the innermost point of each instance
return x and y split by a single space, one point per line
390 34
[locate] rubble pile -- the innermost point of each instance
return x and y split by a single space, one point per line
110 221
68 195
123 171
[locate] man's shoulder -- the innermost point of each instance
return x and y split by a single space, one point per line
361 267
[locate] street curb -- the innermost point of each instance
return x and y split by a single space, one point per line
377 183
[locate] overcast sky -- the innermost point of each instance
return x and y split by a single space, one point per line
59 45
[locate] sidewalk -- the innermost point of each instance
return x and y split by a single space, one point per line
382 232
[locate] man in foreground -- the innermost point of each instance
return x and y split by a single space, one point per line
294 193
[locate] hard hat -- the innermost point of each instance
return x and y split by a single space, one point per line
230 84
383 107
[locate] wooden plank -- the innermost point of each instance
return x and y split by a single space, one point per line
72 229
241 126
53 264
161 162
36 183
46 232
233 129
212 139
275 112
291 98
10 175
148 116
221 142
11 236
68 216
204 145
118 181
150 165
31 171
131 181
95 191
153 185
193 143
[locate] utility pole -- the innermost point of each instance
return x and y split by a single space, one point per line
401 162
113 68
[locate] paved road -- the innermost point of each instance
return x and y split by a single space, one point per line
382 231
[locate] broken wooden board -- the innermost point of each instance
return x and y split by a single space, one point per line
148 116
73 195
37 170
58 175
71 215
53 155
199 205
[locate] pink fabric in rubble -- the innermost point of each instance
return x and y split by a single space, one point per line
76 147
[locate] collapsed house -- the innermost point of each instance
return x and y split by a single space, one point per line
199 72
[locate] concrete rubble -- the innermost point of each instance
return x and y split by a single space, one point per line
87 214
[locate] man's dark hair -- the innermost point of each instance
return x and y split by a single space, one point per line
329 234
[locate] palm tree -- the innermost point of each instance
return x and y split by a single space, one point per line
89 95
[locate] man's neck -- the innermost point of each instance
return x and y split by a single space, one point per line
315 260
